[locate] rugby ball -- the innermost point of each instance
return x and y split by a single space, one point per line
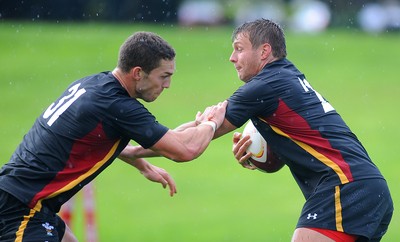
258 146
262 157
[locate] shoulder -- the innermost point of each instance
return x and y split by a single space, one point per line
101 82
282 68
103 88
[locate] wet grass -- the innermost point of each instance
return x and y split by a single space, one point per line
217 199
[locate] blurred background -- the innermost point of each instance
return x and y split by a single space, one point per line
298 15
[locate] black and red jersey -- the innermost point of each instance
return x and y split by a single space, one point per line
77 137
302 127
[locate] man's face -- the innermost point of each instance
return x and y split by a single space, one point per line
247 60
152 84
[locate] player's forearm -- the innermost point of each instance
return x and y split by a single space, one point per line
196 140
185 145
189 141
185 126
133 152
138 163
225 128
141 152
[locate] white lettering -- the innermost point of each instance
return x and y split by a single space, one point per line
57 110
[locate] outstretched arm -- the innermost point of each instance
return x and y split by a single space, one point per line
132 152
186 142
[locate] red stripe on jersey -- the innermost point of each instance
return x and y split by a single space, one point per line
87 155
288 123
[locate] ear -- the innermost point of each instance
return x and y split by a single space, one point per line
266 51
136 73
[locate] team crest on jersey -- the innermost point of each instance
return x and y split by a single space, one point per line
49 228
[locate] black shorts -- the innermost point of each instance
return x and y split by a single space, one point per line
362 208
19 221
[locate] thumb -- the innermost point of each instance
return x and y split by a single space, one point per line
237 136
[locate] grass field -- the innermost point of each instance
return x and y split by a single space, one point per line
217 200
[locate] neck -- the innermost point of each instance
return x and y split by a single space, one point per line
121 77
270 59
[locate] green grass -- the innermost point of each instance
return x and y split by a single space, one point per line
217 200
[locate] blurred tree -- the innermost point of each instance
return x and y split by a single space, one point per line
40 9
138 11
344 13
116 10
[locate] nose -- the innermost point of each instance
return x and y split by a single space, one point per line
233 58
166 84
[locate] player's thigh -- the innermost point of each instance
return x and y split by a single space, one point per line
309 235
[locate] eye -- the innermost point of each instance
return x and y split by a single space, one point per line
239 49
166 77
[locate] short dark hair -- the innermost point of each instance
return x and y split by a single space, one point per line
144 49
263 31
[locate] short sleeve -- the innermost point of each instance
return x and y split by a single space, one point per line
136 122
253 99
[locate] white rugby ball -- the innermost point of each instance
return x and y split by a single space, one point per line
258 146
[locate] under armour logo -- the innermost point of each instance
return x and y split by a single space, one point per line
312 216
